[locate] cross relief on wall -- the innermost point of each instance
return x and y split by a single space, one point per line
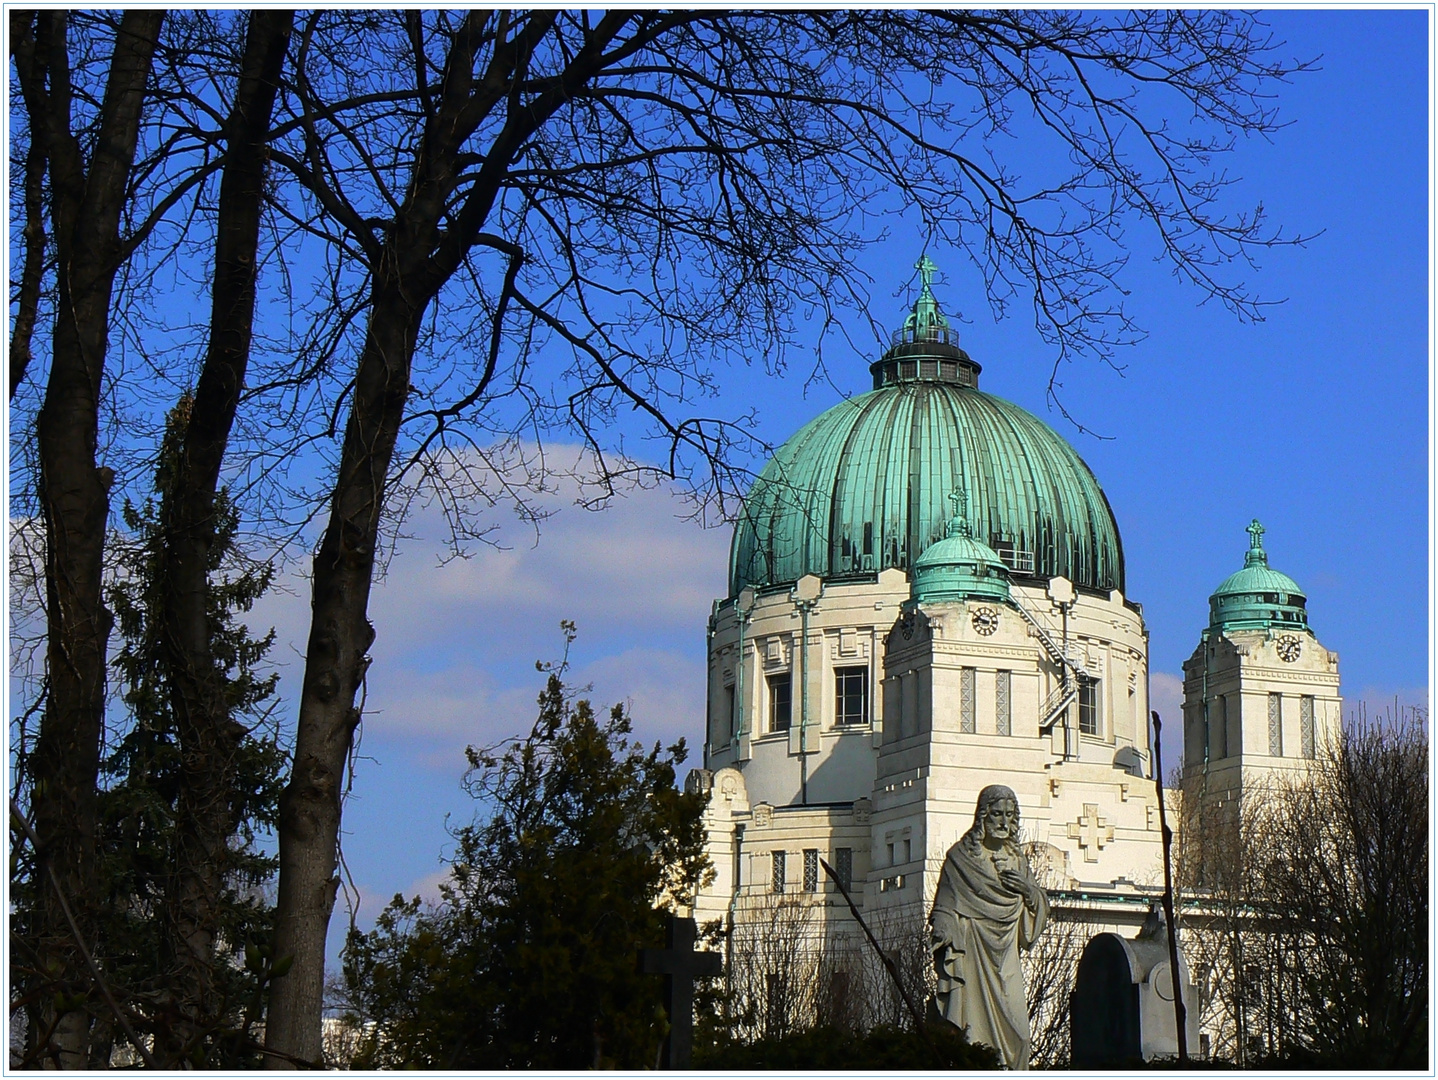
1091 831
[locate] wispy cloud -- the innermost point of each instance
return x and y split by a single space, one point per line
457 639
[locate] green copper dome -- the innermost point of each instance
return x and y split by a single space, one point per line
1257 597
959 567
862 487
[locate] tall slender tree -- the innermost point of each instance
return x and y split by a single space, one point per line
89 183
209 734
130 206
196 1003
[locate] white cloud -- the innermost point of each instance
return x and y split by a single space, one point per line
1165 692
456 641
1384 703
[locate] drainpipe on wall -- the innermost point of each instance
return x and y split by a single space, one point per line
804 607
743 608
805 596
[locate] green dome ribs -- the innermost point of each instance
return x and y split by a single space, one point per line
865 486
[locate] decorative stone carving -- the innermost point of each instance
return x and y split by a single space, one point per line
863 811
1091 831
763 815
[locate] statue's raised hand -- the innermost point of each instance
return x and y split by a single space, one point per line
1023 884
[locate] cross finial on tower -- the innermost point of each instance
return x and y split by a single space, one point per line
1255 533
960 498
959 523
926 268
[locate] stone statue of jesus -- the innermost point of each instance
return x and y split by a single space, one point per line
988 906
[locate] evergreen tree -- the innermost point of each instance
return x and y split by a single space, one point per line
530 960
142 864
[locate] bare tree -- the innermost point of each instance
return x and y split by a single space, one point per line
1309 905
1050 966
642 196
89 185
110 174
774 965
209 734
1342 862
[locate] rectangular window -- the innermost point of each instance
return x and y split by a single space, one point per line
776 878
1003 707
1275 724
1307 742
1218 729
1089 707
851 695
966 701
811 869
781 699
844 866
728 722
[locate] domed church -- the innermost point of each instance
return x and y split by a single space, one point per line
926 596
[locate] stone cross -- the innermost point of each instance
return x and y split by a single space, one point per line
1091 831
680 965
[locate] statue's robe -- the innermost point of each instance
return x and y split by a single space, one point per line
979 924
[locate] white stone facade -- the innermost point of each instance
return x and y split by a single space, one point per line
953 700
1258 707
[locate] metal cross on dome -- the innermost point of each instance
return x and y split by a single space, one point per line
960 523
1255 532
926 268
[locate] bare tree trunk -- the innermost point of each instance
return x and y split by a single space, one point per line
209 736
409 268
87 199
33 267
340 637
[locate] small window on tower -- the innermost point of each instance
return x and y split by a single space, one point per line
781 699
811 869
967 721
1088 702
1003 707
1308 742
851 695
776 878
844 866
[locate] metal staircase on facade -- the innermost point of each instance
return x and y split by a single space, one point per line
1066 692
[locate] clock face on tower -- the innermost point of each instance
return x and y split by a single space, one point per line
1289 648
986 620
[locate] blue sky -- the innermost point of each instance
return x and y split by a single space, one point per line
1315 421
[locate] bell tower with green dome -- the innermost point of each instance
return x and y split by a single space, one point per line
1260 693
925 597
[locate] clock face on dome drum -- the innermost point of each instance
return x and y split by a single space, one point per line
986 621
1289 648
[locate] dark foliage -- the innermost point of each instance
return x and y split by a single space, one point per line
138 858
530 961
830 1049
